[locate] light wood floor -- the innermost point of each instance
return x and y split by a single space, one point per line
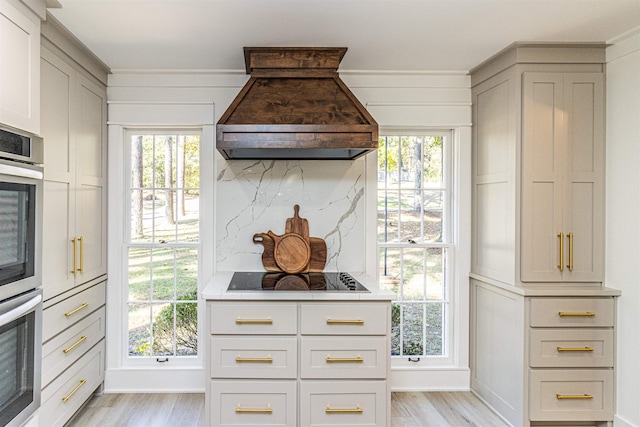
432 409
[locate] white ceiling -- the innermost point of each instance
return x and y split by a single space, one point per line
407 35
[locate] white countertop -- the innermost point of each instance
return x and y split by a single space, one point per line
216 289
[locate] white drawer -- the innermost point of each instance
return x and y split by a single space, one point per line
60 316
253 357
253 318
253 403
344 318
343 357
571 395
571 312
75 385
343 403
63 350
571 348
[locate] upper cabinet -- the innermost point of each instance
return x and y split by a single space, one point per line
19 66
538 164
562 177
75 192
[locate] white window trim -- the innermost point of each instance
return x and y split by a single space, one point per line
453 373
121 377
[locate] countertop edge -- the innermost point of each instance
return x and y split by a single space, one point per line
216 290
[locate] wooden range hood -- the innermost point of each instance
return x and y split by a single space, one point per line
295 106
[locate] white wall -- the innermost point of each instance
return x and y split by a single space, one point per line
623 217
338 198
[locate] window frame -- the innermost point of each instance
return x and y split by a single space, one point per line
448 242
129 361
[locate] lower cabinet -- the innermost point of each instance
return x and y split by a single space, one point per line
253 403
544 357
73 352
321 364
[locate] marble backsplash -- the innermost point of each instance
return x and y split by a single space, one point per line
255 196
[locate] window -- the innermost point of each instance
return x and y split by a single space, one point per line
414 234
162 244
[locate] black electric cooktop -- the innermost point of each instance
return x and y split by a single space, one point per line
278 281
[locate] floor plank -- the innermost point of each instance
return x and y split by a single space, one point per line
414 409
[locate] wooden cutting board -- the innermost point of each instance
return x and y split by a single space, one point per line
268 260
318 254
297 225
291 252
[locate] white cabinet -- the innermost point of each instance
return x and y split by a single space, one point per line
74 130
19 66
74 230
538 237
544 356
298 363
538 165
562 177
73 351
571 358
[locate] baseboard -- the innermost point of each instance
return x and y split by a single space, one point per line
139 380
436 379
619 422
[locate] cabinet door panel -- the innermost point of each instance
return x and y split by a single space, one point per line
90 226
57 249
542 191
19 67
57 81
584 175
90 133
91 222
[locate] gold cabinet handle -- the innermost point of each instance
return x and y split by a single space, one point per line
81 240
561 240
356 410
356 359
75 256
585 349
74 345
241 359
75 310
70 395
344 322
576 314
266 410
570 265
573 396
267 321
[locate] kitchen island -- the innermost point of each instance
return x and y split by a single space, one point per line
297 358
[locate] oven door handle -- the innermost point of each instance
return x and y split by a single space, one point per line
19 311
21 172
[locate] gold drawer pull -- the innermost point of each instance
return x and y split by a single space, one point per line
560 349
344 322
68 396
77 343
573 396
240 321
72 312
241 359
356 359
356 410
266 410
576 314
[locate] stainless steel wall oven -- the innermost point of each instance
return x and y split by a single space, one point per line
20 357
21 181
20 213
